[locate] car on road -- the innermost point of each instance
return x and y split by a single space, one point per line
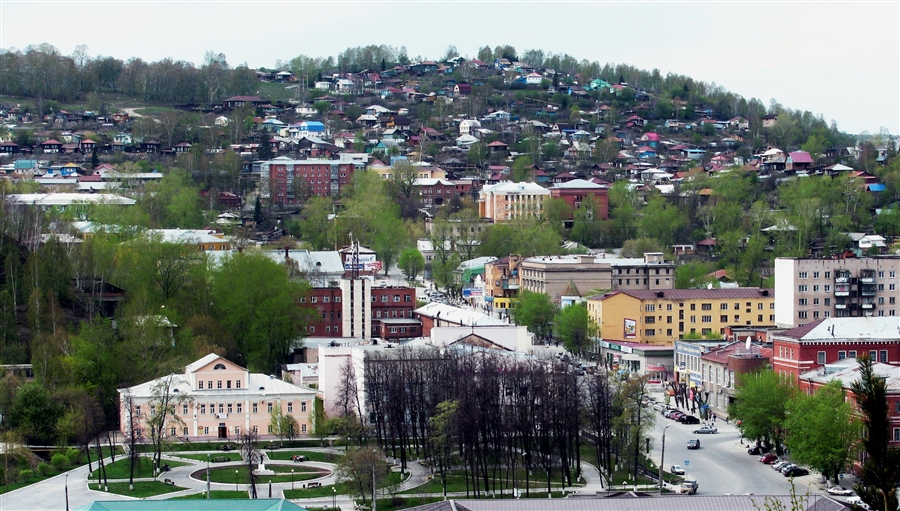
856 501
688 419
706 430
795 472
840 490
768 458
779 464
693 443
757 449
677 470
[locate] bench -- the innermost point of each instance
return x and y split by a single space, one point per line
313 485
169 481
219 459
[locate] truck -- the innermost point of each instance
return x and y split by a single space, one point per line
689 486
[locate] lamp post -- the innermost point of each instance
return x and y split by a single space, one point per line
292 479
374 462
207 476
662 459
236 480
333 498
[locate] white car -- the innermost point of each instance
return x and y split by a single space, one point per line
677 470
705 430
838 490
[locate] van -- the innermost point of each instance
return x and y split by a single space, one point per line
689 486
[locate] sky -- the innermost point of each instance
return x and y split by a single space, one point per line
840 60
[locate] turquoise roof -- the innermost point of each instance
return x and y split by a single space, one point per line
193 505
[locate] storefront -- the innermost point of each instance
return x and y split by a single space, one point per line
628 358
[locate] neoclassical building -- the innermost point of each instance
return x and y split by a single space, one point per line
216 398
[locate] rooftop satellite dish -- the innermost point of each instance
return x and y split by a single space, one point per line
748 343
709 285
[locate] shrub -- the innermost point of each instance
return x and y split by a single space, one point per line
59 461
25 475
74 454
44 469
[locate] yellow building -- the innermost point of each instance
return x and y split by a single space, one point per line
507 200
423 171
660 317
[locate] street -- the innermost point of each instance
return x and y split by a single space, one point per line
722 464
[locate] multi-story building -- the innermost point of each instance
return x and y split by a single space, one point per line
359 310
501 281
552 274
719 368
662 316
821 342
574 192
808 289
216 398
434 192
321 178
507 201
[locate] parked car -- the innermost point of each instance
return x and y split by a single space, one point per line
787 467
840 490
795 472
768 458
693 444
757 449
677 470
706 430
856 501
688 419
778 464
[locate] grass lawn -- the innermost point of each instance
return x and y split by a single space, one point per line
457 483
154 110
121 468
342 489
310 455
282 474
53 472
216 494
216 457
143 489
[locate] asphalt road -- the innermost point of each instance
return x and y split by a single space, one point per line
722 464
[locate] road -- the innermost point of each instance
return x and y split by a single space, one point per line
722 464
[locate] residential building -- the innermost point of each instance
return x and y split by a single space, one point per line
663 316
574 192
626 357
501 281
507 200
808 289
814 345
719 368
437 314
321 178
359 310
552 274
216 398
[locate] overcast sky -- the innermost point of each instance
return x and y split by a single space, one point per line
840 60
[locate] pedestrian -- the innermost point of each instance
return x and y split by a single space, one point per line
714 418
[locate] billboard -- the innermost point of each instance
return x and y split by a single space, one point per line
366 262
472 292
630 328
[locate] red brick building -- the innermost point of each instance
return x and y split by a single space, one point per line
574 192
321 178
822 342
388 311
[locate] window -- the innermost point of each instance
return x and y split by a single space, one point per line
851 354
229 407
237 384
737 319
209 384
270 428
302 406
693 319
237 430
803 289
759 306
771 318
706 319
827 288
326 299
270 407
649 320
892 274
706 306
737 306
137 432
240 407
228 384
802 315
815 274
803 275
815 301
892 287
184 431
303 428
723 307
842 355
203 409
221 408
314 299
816 288
820 358
290 407
219 384
200 384
256 429
693 306
723 318
827 302
815 314
882 356
759 318
650 307
184 409
896 434
802 301
650 332
827 274
384 298
255 409
897 407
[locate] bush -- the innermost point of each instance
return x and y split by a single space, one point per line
59 461
25 475
44 469
74 454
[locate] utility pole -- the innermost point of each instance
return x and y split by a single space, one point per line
662 459
374 462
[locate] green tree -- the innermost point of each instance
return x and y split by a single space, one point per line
572 327
640 246
693 275
34 414
760 404
535 311
661 221
521 169
357 467
821 430
587 226
411 262
265 321
443 424
315 226
881 471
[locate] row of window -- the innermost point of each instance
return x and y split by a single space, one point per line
840 313
815 274
875 355
209 384
651 332
649 320
641 271
650 307
205 430
227 407
337 299
838 288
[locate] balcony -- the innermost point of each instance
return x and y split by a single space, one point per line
841 280
868 306
867 280
840 306
510 285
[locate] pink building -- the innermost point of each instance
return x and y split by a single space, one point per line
216 398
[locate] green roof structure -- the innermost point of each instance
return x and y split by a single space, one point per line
193 505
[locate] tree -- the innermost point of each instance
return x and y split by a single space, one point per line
411 262
34 414
572 327
315 226
163 404
821 430
442 426
693 275
761 405
881 470
357 468
640 246
535 311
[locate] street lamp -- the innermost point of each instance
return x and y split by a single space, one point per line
374 462
292 479
662 459
333 497
236 480
207 476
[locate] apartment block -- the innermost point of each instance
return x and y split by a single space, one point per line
807 289
317 178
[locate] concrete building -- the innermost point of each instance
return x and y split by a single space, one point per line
824 341
625 357
359 310
576 191
507 201
320 178
501 281
552 274
808 289
719 368
661 317
437 314
216 398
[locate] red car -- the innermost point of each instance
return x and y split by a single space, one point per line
768 458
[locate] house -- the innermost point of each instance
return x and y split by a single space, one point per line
769 121
9 147
462 89
323 178
216 399
434 192
239 101
798 160
150 146
575 191
50 146
183 147
533 79
122 138
344 86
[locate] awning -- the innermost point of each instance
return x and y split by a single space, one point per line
656 367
